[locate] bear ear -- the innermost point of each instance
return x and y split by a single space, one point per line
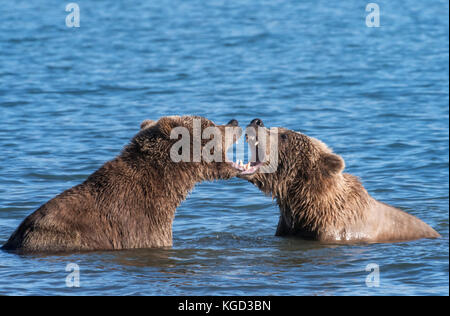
147 124
166 124
332 164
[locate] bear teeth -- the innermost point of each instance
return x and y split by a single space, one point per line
243 167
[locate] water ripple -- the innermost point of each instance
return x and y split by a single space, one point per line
70 99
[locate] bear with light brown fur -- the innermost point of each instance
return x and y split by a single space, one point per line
317 200
130 201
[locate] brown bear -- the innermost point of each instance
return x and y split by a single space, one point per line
130 201
316 199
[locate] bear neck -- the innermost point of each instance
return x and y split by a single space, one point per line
174 180
316 206
160 186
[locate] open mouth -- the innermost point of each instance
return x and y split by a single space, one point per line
255 163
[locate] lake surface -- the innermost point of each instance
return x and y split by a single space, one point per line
71 98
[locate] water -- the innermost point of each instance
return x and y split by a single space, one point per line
71 98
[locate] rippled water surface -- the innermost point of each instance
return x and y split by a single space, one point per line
71 98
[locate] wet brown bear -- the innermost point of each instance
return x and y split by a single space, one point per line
316 199
130 201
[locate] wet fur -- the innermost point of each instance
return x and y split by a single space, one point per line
129 202
318 201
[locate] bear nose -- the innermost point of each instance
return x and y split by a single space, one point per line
233 122
257 122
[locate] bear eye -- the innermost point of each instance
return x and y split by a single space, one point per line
284 136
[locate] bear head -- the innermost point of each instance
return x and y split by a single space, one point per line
282 159
191 145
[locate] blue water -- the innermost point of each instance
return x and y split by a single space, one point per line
71 98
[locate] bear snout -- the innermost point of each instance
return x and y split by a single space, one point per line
233 122
256 122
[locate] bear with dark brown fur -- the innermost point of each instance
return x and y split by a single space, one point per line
316 199
130 201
